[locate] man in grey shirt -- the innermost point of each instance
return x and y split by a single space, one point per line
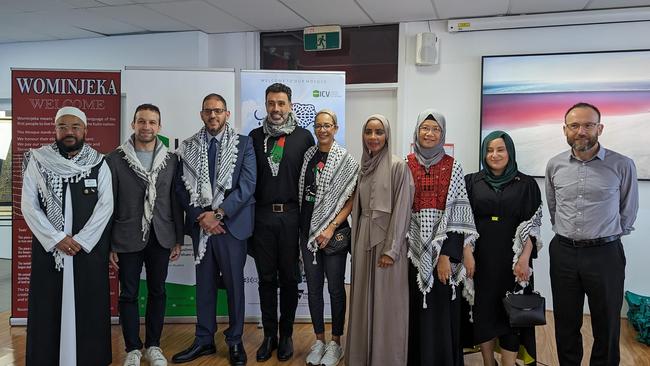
592 196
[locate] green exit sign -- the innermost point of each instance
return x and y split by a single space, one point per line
322 38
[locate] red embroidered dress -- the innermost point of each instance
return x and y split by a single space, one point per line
431 186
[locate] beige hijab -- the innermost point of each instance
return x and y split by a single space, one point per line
378 169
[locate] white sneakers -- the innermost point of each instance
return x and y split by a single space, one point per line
316 354
320 354
155 356
152 354
333 354
133 358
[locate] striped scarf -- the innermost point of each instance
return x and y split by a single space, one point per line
160 157
428 230
53 170
335 185
196 175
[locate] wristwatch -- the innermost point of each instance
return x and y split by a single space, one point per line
219 214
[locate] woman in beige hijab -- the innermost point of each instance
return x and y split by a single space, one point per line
379 298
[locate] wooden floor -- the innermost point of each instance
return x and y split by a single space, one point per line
178 336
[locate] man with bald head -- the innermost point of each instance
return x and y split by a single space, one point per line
67 201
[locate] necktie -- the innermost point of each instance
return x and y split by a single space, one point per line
212 156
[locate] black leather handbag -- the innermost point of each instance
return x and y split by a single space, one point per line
339 243
525 310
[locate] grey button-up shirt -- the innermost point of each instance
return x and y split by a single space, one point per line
592 199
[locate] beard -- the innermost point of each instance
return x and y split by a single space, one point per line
582 144
70 148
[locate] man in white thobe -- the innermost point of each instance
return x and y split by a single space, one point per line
67 202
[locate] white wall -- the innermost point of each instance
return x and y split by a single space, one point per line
454 87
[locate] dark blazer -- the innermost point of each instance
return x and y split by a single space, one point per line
128 192
239 201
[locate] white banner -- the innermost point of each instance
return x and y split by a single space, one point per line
311 91
178 93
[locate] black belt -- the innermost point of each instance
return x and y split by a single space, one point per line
279 207
587 242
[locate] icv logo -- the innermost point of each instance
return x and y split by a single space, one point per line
320 93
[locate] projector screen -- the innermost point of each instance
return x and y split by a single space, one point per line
528 95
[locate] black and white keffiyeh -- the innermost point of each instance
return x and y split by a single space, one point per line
160 157
335 185
428 230
286 128
52 170
525 230
196 173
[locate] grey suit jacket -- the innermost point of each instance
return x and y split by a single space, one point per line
128 192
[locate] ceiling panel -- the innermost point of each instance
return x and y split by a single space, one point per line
470 8
264 15
9 33
388 11
82 18
83 3
203 16
117 2
536 6
35 5
46 24
344 12
604 4
142 17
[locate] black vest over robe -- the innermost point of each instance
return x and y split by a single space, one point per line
91 287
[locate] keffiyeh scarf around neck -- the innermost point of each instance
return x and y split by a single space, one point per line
276 152
196 174
428 230
335 185
160 157
53 170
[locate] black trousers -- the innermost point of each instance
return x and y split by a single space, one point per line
599 273
275 250
155 259
332 266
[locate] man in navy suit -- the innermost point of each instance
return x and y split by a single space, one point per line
215 184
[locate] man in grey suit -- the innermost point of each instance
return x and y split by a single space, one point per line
147 229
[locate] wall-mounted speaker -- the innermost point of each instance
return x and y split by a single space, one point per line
427 48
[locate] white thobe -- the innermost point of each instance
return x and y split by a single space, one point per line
87 237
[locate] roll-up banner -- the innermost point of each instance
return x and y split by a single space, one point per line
179 94
311 91
36 95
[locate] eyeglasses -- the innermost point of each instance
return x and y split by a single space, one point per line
326 126
208 111
587 126
427 129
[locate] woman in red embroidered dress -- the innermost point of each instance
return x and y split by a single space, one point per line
441 225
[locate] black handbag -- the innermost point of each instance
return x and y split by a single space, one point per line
525 310
339 243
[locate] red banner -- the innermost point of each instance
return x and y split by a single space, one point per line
36 96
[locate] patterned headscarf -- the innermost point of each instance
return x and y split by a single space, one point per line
430 156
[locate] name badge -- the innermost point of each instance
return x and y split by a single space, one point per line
90 183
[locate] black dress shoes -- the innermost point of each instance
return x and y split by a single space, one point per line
267 347
285 348
238 355
193 352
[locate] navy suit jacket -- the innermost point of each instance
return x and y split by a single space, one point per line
239 201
